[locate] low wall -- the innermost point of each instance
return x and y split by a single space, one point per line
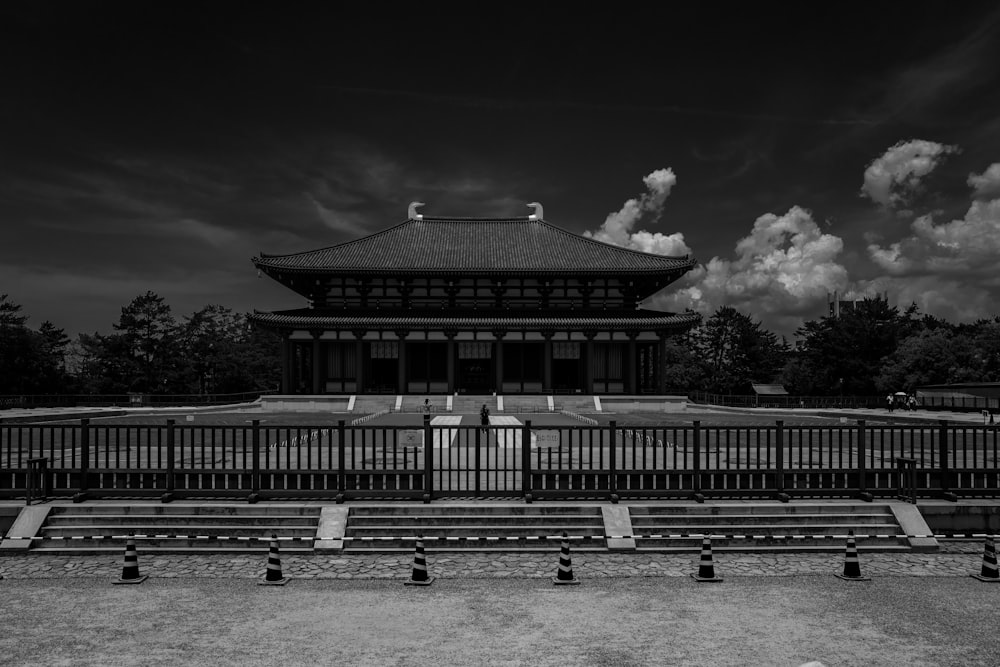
963 517
304 403
644 403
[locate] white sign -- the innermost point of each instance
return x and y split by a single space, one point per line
410 438
545 439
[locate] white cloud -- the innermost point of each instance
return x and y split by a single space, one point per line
617 227
891 179
782 270
987 184
967 248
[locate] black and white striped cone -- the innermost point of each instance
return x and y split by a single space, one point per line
564 576
273 576
419 576
989 572
852 567
706 567
130 568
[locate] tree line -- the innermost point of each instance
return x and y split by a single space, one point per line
212 351
870 349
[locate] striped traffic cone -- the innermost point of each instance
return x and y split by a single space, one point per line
130 568
852 567
273 576
706 568
989 572
419 576
564 577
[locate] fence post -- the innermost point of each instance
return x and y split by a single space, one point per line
81 495
341 462
169 494
428 460
613 481
945 473
696 481
255 465
779 461
479 430
863 492
526 461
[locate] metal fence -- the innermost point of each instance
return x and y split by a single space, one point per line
339 461
954 403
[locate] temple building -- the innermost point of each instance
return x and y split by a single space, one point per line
474 306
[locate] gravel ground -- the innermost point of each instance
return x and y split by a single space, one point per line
636 621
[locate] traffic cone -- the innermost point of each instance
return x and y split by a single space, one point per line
989 572
273 576
130 568
852 567
419 576
564 577
706 568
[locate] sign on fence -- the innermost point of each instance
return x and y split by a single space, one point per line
545 439
411 438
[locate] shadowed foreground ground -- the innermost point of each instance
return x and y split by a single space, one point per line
647 621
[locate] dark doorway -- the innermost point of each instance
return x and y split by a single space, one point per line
475 367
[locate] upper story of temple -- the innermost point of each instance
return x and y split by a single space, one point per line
474 264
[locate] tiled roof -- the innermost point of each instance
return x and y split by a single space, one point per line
632 319
475 244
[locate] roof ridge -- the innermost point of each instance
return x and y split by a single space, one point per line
609 245
345 243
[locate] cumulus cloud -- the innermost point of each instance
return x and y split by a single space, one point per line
892 179
987 184
617 227
781 271
967 248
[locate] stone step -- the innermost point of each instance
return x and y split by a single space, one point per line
762 519
521 545
459 519
765 529
171 529
181 519
483 509
776 508
472 530
173 509
766 544
147 547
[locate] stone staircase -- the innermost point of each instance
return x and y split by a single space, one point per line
530 404
395 526
766 527
470 405
176 528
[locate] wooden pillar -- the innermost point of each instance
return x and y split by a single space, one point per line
286 365
547 364
452 352
401 361
588 366
631 362
661 353
359 366
317 365
499 365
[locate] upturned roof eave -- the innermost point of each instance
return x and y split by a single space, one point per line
683 267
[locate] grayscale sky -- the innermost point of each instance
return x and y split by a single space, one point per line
792 148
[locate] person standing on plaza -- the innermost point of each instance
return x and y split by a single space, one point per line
484 418
889 401
427 406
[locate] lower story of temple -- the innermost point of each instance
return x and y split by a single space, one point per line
318 364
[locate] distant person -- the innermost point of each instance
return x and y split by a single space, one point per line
911 402
889 401
427 406
484 418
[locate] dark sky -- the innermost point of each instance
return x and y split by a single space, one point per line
793 149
